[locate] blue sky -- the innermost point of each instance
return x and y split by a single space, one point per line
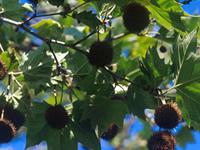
18 143
193 7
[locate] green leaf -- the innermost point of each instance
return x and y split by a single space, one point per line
35 122
139 100
167 18
9 61
184 57
88 18
128 67
82 129
56 139
13 9
187 84
168 5
108 112
59 139
191 22
48 28
86 136
78 63
189 102
156 66
5 58
37 69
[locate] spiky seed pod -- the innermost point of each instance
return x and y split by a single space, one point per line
3 70
163 49
110 133
15 116
168 116
7 131
101 54
56 116
162 141
135 17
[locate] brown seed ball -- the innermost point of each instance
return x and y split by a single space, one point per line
56 116
3 70
135 17
101 54
162 141
15 116
168 116
110 133
7 131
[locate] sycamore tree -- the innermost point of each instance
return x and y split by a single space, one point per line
70 71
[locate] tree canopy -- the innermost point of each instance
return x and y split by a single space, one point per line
71 70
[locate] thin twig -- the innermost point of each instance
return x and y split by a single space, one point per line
117 76
35 15
55 58
85 38
55 95
39 16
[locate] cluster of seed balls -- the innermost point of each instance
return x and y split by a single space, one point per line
101 52
100 55
135 18
58 118
167 117
11 120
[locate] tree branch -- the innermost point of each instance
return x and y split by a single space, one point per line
53 41
62 13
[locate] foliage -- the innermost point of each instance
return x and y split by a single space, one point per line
45 47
